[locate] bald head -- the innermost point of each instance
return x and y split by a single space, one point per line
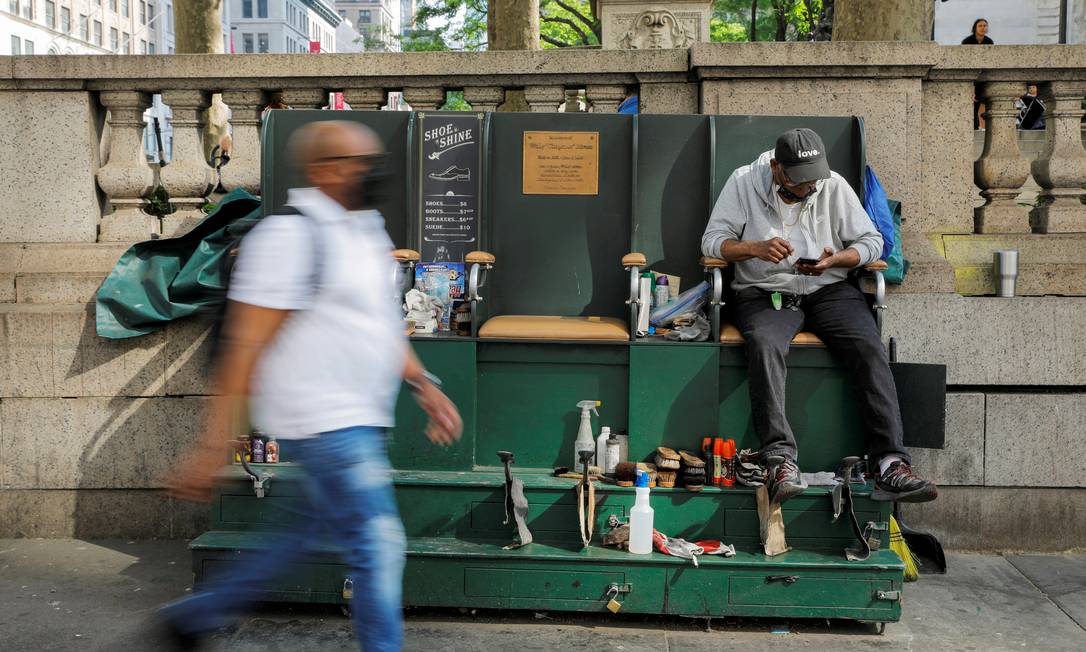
331 139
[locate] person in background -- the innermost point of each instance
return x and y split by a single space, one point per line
1031 110
979 36
630 105
314 352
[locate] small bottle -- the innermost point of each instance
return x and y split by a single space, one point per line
258 449
718 461
662 293
641 517
614 453
707 454
601 446
271 452
729 463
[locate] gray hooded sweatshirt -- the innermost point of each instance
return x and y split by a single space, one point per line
831 216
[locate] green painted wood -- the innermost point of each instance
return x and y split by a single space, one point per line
673 397
453 361
278 172
530 407
559 254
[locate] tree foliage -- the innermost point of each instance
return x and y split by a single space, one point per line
773 20
461 25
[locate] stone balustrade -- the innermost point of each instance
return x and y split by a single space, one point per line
915 99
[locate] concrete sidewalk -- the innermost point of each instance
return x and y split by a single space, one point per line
98 595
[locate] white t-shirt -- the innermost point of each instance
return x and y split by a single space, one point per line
792 228
338 360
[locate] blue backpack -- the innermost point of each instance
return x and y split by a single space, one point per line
886 215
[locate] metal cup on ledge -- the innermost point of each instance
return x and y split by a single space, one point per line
1005 268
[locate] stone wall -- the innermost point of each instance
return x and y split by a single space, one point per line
89 427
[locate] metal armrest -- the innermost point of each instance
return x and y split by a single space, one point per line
876 269
481 262
403 277
713 267
633 262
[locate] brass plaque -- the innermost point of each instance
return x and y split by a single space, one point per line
561 163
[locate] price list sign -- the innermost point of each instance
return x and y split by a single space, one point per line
450 166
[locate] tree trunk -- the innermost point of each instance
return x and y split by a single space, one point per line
883 20
198 26
782 21
513 24
754 20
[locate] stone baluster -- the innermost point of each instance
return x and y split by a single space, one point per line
1001 170
243 170
544 99
1060 170
188 177
365 98
573 102
484 98
605 98
126 178
424 98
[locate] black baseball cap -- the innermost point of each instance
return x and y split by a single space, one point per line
803 155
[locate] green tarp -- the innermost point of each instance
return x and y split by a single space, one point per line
158 281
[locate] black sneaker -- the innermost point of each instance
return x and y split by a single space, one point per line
900 483
784 480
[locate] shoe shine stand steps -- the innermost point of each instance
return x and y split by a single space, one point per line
559 265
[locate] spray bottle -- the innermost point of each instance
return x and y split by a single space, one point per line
584 441
641 517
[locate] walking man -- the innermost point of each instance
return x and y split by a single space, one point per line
315 345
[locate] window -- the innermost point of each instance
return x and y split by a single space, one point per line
84 27
364 16
114 40
169 21
125 7
150 48
13 7
171 50
143 46
50 14
28 13
16 44
150 12
261 43
126 43
28 47
143 12
247 43
246 8
261 8
98 33
113 5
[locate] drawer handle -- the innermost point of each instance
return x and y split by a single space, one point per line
787 579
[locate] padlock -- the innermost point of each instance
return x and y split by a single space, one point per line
613 605
348 589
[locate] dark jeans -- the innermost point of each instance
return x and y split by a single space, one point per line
839 315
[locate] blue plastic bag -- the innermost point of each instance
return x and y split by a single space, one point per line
886 215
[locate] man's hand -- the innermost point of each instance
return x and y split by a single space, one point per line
825 261
445 424
773 250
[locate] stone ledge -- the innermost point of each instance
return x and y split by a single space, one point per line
1047 264
1035 440
59 257
712 59
989 519
55 288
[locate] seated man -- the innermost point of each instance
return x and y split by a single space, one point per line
793 229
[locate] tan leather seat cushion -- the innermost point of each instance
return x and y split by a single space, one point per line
729 334
545 327
481 257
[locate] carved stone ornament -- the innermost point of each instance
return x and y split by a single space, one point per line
656 29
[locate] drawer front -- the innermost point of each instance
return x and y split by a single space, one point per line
822 592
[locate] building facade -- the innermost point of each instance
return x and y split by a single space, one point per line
379 21
1022 22
90 27
283 26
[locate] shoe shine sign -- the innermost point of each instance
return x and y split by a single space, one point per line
449 168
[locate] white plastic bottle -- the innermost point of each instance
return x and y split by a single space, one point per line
612 456
641 518
601 447
584 441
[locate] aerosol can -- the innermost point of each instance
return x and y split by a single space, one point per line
585 441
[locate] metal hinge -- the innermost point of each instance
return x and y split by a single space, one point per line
787 579
890 596
615 588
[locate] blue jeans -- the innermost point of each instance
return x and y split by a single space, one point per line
350 502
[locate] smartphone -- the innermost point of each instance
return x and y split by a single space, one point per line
806 261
